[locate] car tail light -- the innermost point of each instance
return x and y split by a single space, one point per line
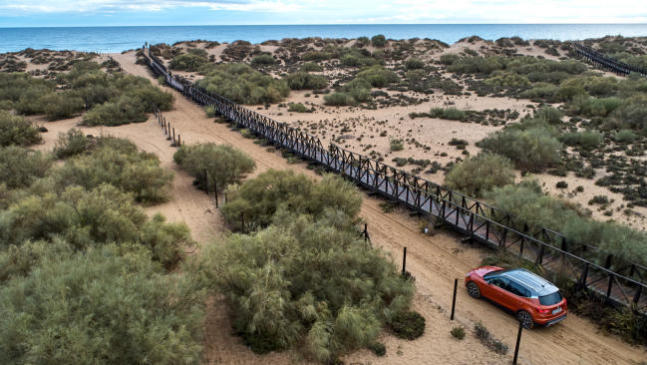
543 311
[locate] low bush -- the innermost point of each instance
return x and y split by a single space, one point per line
414 64
210 111
448 113
587 140
16 130
71 143
191 61
378 40
81 309
549 114
341 303
223 163
407 325
258 199
339 99
242 84
625 136
118 163
377 348
396 145
377 76
263 59
304 80
311 67
533 149
483 334
20 167
476 175
458 332
297 108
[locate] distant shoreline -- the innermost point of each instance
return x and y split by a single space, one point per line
114 39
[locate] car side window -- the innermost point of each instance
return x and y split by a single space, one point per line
500 282
517 289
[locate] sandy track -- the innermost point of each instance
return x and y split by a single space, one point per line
434 261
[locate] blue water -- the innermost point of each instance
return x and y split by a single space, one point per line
117 39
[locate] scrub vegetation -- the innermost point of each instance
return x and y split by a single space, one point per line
349 294
105 98
80 260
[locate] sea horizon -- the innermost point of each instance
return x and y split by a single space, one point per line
112 39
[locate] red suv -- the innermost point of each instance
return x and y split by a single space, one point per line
533 299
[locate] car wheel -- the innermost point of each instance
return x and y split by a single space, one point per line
526 319
473 290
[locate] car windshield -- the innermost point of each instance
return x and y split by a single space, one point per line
550 299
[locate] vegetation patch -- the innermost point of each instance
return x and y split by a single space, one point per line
477 175
350 292
223 164
242 84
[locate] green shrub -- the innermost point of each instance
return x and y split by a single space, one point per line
263 60
449 58
339 99
120 165
188 62
407 325
377 76
414 64
72 143
458 332
297 108
16 130
242 84
166 241
19 167
532 150
311 67
625 136
396 145
561 185
377 348
479 174
100 307
210 110
549 114
224 164
304 80
378 40
61 105
587 140
339 304
258 199
449 113
632 114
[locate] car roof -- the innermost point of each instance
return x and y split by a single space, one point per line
533 282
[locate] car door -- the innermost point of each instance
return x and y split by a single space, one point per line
498 291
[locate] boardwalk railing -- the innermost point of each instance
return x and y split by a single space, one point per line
603 61
619 282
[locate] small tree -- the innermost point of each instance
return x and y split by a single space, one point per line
16 130
479 174
224 164
378 40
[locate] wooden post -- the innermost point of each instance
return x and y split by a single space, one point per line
215 191
404 262
516 347
365 232
451 318
179 141
174 136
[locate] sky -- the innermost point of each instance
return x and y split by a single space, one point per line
34 13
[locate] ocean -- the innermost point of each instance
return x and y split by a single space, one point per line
117 39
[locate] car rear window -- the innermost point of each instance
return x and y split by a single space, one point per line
550 299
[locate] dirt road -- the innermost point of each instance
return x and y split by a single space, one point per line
434 261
